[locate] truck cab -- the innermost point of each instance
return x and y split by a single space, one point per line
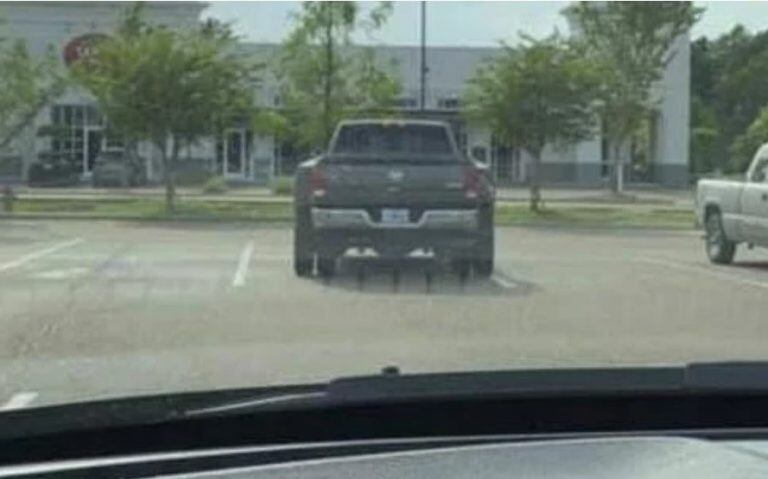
734 211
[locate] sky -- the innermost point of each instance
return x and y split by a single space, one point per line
467 23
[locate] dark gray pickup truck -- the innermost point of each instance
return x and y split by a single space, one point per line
394 186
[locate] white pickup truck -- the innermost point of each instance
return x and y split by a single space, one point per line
734 212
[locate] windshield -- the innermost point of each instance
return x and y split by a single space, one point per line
198 196
386 139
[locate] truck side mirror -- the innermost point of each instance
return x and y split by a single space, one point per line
478 153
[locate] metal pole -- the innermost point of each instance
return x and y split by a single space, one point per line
423 93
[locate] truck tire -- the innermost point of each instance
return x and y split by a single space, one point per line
326 266
484 252
303 243
484 267
462 266
720 249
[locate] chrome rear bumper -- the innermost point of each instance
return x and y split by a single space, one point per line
343 218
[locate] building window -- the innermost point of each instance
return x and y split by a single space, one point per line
605 155
233 152
506 163
287 156
654 126
77 135
276 170
405 103
67 138
448 103
461 141
112 141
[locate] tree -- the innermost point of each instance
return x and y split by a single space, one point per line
632 44
745 145
741 60
171 88
27 85
705 138
324 77
727 94
539 93
706 151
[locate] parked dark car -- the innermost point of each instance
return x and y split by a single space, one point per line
394 186
116 169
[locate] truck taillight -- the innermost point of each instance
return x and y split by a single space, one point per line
471 182
318 182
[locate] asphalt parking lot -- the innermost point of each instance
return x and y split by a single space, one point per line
98 309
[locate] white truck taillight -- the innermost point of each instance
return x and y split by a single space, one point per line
318 182
471 182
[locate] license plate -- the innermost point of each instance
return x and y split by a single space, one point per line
395 216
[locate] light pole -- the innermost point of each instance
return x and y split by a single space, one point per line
423 91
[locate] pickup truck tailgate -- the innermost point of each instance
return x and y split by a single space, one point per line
400 183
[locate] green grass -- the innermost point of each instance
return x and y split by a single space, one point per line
215 185
601 216
282 185
151 208
506 214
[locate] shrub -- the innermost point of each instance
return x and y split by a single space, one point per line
10 166
41 174
282 185
215 184
192 178
745 145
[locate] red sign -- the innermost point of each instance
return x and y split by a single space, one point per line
81 47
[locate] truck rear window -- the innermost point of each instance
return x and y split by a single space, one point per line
393 139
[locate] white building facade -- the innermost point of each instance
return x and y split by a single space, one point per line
243 155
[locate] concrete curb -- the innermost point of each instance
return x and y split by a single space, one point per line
287 199
118 198
101 217
288 202
288 220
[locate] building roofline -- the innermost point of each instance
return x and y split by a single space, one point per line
401 120
389 45
184 3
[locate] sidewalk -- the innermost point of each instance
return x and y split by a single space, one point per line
661 197
134 193
682 199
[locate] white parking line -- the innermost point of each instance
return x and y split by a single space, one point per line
701 270
38 254
503 282
19 400
69 273
271 257
242 265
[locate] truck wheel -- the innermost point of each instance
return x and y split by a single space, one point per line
303 251
326 266
462 266
484 267
483 258
720 249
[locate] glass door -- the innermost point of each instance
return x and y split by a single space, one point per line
234 152
93 137
79 135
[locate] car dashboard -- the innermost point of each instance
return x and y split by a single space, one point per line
649 457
